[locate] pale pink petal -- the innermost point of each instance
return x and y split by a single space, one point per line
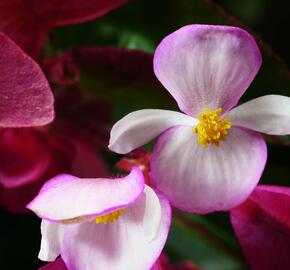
202 180
268 114
51 240
207 66
123 245
70 199
138 128
25 96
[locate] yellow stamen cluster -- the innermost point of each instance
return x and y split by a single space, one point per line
111 217
211 128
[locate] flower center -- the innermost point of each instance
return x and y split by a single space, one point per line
211 128
111 217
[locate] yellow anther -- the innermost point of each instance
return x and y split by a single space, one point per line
211 128
111 217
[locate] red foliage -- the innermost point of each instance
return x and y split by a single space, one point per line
28 22
262 225
25 96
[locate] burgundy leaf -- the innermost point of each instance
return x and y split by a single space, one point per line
56 265
121 75
28 22
262 225
60 155
163 264
61 70
24 156
25 96
124 65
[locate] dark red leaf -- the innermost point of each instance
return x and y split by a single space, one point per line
24 157
25 96
163 264
262 225
62 70
56 265
28 22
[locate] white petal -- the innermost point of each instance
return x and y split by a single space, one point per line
152 214
51 238
268 114
138 128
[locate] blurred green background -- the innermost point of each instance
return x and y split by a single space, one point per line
141 24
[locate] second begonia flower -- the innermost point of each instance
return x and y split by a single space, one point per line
102 223
210 157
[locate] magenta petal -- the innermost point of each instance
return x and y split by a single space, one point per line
262 225
28 22
207 66
56 265
25 96
72 199
123 245
202 180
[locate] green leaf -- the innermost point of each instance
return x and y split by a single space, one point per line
185 242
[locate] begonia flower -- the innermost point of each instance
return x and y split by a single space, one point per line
25 96
28 22
210 157
102 223
262 226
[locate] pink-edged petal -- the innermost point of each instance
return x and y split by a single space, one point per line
262 226
268 114
51 240
207 66
202 180
25 96
72 199
56 265
123 245
138 128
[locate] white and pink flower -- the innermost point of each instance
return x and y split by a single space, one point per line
102 224
211 156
